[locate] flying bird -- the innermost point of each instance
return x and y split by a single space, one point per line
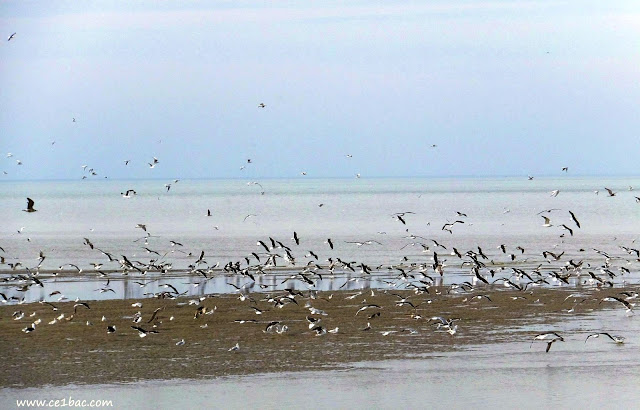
617 339
574 219
610 192
30 204
11 36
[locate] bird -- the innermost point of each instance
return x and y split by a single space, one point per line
555 193
565 169
235 348
11 36
142 226
628 305
128 193
142 332
30 204
567 228
574 219
610 192
548 335
547 222
111 329
180 343
617 339
295 238
261 105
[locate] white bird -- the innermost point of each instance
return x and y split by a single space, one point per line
555 193
235 348
547 222
180 343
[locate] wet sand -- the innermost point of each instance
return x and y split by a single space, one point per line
71 352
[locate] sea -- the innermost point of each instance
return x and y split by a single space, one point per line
383 223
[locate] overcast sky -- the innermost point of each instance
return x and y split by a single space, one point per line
501 87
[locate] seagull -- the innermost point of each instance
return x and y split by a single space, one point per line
399 216
628 305
574 219
610 192
248 216
111 329
568 229
617 339
30 204
142 332
555 193
180 343
547 222
548 335
142 226
261 105
128 194
11 36
235 348
565 169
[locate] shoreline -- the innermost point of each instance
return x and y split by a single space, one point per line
72 352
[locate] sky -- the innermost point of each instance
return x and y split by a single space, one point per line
500 87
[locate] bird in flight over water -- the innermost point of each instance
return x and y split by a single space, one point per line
30 204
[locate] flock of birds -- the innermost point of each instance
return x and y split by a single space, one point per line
416 279
489 273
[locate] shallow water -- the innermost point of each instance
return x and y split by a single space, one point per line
500 210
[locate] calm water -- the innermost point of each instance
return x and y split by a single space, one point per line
499 210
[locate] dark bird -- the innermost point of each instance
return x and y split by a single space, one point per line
111 329
30 204
208 212
574 219
568 229
330 243
610 192
142 332
295 238
155 312
11 37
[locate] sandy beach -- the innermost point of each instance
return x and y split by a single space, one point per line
74 352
